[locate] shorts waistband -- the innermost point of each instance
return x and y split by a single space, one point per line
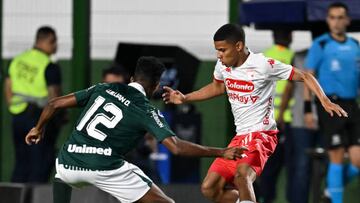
268 132
75 168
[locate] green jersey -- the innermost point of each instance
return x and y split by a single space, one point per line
114 118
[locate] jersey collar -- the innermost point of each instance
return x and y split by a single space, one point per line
341 42
139 87
247 61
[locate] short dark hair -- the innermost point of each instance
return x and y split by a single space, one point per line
117 70
44 32
149 70
338 5
231 33
282 37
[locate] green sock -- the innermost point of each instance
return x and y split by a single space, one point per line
61 192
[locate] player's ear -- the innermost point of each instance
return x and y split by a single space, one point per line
132 79
348 20
239 46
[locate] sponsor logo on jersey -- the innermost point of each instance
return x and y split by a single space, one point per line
157 119
73 148
266 120
242 99
117 95
239 85
160 114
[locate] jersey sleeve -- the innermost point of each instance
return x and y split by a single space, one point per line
277 70
53 74
157 126
313 57
83 96
217 72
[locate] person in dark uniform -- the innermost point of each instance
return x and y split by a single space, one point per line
32 79
334 57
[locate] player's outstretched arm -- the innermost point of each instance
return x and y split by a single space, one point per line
35 134
314 86
184 148
209 91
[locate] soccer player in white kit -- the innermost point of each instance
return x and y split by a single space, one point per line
249 80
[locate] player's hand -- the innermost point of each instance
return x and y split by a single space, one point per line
234 153
33 136
332 108
310 121
173 96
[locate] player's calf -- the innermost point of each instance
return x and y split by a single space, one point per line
210 192
354 152
212 187
244 178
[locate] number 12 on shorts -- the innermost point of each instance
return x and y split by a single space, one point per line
109 122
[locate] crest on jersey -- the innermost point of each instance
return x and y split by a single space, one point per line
271 62
160 114
228 69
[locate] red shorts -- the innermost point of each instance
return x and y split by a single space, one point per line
260 144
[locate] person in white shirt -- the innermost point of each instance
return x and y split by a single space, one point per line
249 81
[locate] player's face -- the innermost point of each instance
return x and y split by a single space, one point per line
49 45
227 52
337 20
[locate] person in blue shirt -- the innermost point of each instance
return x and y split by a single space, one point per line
335 58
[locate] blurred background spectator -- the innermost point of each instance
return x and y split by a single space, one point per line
334 58
115 73
283 102
305 140
32 80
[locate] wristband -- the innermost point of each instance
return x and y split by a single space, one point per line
307 107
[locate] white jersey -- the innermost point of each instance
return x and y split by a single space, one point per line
251 89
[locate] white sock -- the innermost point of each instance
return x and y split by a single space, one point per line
246 201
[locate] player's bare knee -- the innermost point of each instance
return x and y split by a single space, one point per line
244 173
207 190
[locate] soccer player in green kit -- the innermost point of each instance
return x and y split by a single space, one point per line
114 118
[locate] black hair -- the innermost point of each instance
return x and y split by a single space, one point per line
44 32
338 5
231 33
117 70
149 70
282 37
